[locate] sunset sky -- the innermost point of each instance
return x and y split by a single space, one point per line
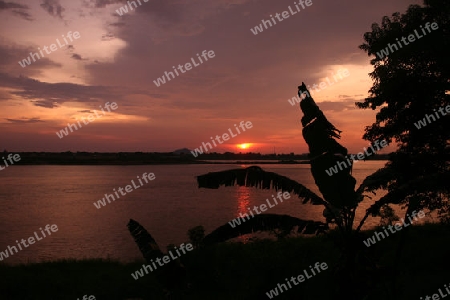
117 58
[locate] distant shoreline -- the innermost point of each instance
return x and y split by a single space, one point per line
141 158
232 162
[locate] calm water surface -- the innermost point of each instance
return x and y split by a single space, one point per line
33 196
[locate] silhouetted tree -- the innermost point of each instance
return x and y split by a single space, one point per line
410 83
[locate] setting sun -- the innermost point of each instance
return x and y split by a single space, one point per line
244 146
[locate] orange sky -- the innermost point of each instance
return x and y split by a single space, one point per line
117 58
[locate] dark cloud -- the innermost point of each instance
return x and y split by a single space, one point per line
171 18
108 36
11 54
23 14
46 103
10 5
50 95
117 24
25 120
17 9
76 56
86 111
102 3
53 7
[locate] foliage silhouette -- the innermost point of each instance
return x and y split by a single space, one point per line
411 85
265 222
408 85
172 275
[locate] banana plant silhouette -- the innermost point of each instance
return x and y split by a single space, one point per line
339 196
340 200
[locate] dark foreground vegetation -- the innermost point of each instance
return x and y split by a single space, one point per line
243 271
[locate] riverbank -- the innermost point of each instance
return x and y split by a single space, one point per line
157 158
239 271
